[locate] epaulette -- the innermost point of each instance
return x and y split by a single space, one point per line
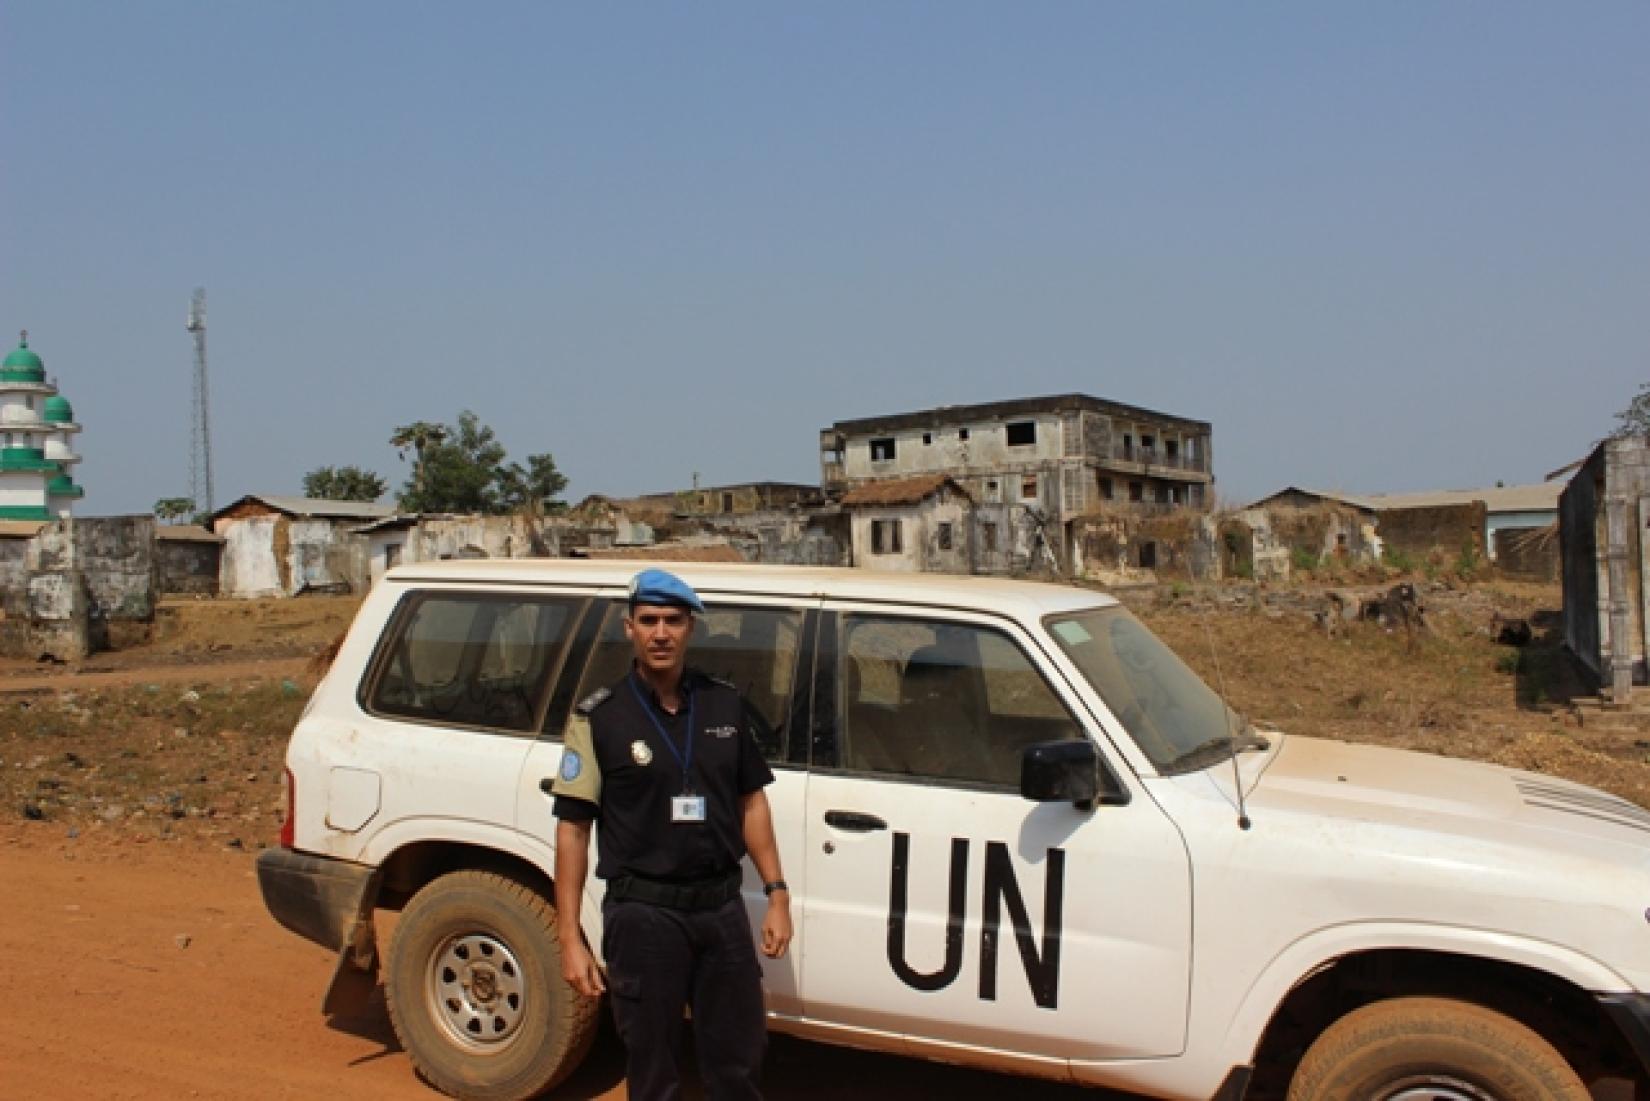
593 701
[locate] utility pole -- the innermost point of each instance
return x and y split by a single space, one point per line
200 419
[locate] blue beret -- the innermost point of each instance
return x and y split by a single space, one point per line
664 590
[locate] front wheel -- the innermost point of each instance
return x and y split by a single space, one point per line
474 988
1432 1049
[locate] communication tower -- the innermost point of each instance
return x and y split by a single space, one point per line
200 420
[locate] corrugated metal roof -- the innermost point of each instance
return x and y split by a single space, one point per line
899 491
186 533
313 507
673 552
1539 497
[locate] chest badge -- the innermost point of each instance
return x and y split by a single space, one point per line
640 753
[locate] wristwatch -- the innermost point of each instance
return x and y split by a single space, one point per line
776 885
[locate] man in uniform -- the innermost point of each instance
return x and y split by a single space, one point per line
667 762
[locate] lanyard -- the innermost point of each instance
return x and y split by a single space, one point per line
686 762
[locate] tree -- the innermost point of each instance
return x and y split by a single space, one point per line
419 436
343 483
1635 419
535 490
462 468
170 510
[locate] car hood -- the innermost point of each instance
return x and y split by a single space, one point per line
1376 784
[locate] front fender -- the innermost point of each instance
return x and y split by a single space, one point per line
1322 947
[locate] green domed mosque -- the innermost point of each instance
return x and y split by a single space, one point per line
36 424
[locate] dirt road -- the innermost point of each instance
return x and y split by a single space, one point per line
149 971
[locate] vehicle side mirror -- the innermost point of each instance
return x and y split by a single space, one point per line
1068 772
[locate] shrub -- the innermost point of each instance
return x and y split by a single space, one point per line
1399 560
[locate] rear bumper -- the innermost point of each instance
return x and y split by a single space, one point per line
314 896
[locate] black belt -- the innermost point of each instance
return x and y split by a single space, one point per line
695 894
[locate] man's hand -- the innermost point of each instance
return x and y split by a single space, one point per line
776 926
579 968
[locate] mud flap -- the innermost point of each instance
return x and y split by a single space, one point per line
355 977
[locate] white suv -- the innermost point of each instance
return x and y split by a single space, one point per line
1019 834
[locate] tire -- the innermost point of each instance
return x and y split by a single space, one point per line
1432 1049
475 992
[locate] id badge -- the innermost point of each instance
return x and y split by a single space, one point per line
687 808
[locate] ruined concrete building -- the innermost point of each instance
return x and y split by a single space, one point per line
1027 469
282 546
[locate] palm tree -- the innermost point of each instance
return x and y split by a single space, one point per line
419 436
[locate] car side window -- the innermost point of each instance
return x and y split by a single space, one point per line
754 649
939 700
471 659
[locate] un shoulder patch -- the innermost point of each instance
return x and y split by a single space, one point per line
571 765
593 701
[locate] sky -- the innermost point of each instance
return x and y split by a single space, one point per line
1379 247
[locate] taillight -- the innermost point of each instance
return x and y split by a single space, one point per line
289 788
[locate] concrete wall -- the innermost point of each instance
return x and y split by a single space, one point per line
1602 517
785 537
920 531
1452 529
1529 553
277 555
115 556
187 567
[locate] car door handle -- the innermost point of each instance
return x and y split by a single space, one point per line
854 821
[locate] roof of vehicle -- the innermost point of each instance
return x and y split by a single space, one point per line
1029 599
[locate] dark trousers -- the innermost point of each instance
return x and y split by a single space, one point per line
660 960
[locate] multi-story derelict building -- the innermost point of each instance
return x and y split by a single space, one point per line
1028 467
36 426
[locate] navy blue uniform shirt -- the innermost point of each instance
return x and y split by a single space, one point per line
619 770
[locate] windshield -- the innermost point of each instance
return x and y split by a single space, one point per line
1178 721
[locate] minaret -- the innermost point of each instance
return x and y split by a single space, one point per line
36 451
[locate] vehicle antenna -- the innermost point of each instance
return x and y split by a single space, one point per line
1231 739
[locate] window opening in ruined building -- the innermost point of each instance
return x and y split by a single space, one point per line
927 439
1022 433
392 555
1137 492
1128 446
1148 444
945 536
885 536
1105 489
1028 488
727 502
1148 556
1195 495
1171 450
882 450
962 433
1165 495
988 536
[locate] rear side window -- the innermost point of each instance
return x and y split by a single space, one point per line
471 659
754 649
